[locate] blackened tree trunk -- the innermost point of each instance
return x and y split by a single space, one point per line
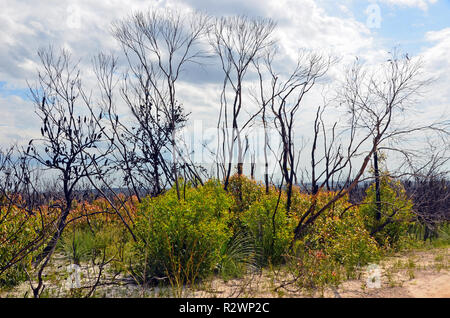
377 185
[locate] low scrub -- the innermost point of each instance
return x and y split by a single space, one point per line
395 214
269 224
340 234
18 232
207 230
182 239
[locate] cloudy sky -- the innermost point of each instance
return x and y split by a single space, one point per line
348 28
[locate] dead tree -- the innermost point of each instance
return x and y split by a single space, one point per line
237 42
284 95
427 184
69 131
375 100
158 45
261 98
122 159
22 194
388 96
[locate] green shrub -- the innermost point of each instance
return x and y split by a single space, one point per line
182 239
441 237
344 238
14 275
313 269
244 193
79 245
271 227
18 230
333 247
391 229
443 230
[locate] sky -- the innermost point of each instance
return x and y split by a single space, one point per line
348 28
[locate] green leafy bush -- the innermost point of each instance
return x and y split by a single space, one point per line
333 247
390 230
271 227
343 237
313 269
17 233
244 192
182 239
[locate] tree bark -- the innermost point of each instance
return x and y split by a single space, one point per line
377 185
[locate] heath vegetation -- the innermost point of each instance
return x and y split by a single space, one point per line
122 198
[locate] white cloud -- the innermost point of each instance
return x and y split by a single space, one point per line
18 122
421 4
437 64
307 25
83 26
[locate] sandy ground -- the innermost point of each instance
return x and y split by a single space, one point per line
418 274
426 284
412 274
409 275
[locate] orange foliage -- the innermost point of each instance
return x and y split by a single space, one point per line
99 210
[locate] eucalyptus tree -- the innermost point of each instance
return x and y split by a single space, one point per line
376 99
283 96
159 45
237 41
